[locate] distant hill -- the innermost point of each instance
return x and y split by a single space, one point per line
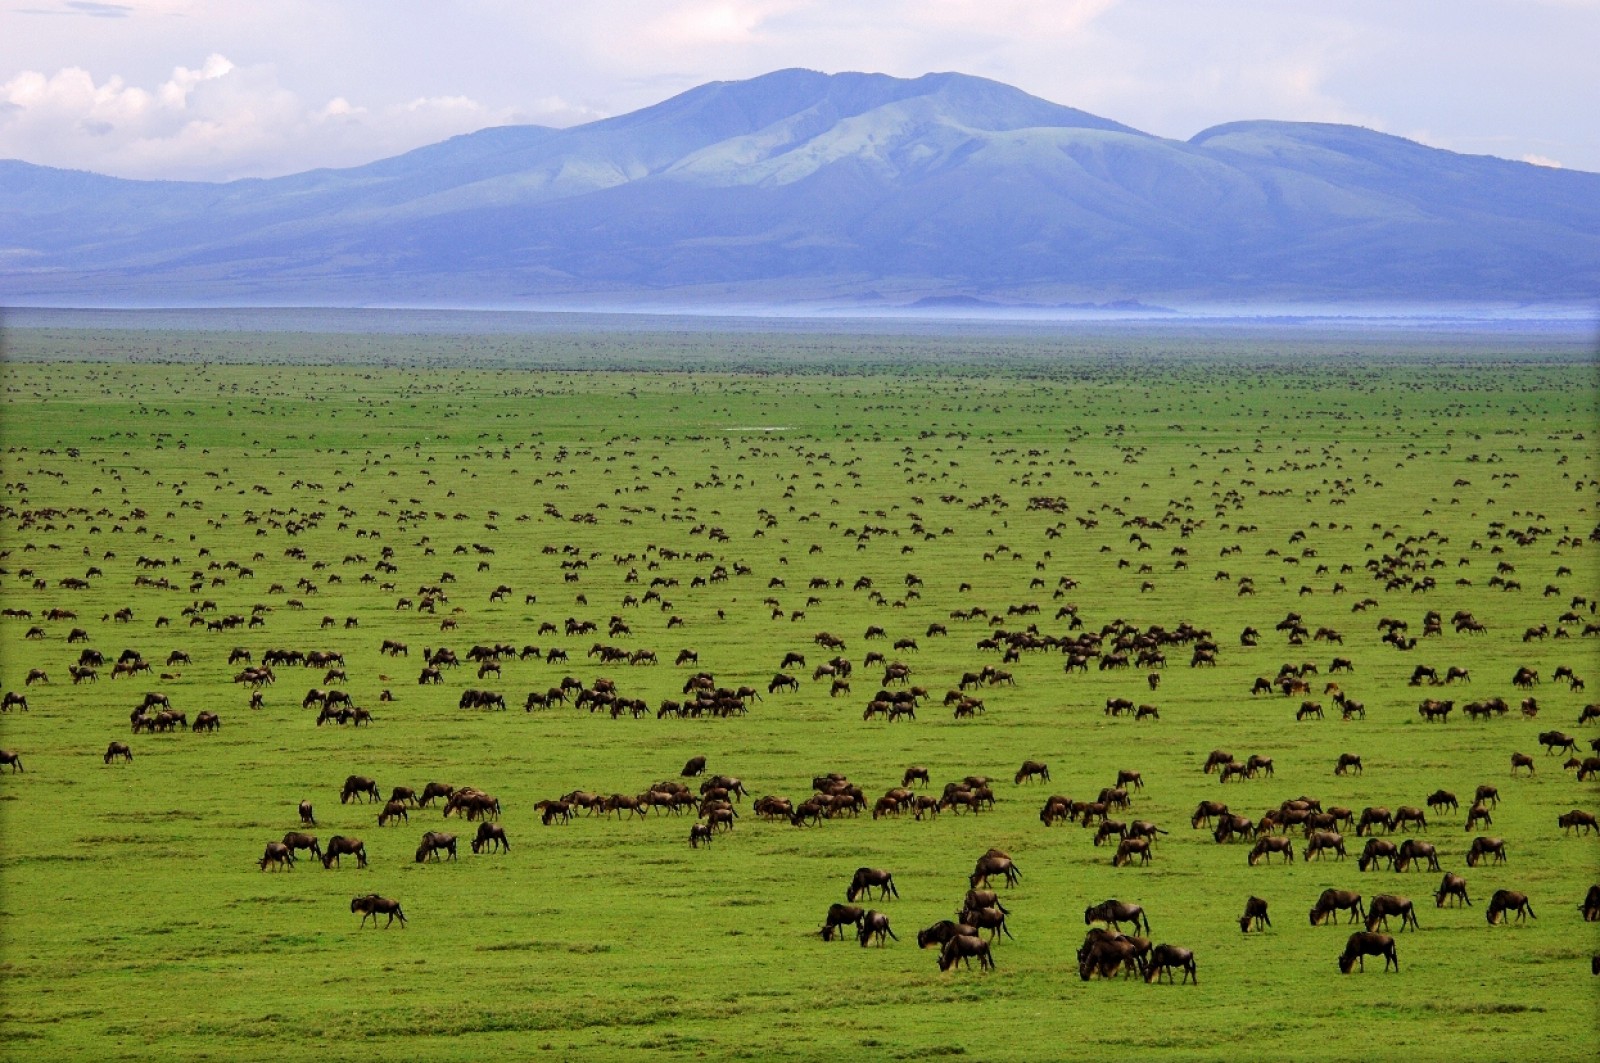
799 187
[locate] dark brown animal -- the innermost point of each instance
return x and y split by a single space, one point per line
339 845
1166 958
1255 915
371 906
1333 901
1453 886
1505 901
118 749
1364 944
1386 904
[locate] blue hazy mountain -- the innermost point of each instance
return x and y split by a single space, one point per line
805 187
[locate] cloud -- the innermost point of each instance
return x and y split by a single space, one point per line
218 121
1540 160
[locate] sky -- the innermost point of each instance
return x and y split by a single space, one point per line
193 90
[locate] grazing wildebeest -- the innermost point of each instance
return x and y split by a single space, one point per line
1482 847
840 915
1378 849
1591 905
1030 769
1130 848
356 786
994 863
371 906
1386 904
990 919
432 790
1114 913
393 810
1413 849
1440 800
1478 815
1454 886
1319 841
1521 760
1204 812
943 931
1255 915
1374 816
1104 951
1348 762
296 841
1363 944
1266 846
339 845
915 773
868 877
961 949
976 899
491 835
1332 901
118 749
307 817
433 842
1166 958
279 855
14 700
693 767
1510 901
874 925
207 721
11 757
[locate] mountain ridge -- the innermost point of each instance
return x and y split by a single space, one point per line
799 186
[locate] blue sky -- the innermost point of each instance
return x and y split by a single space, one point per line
198 90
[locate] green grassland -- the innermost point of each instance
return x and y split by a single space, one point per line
134 920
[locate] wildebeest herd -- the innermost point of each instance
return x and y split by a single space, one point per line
807 616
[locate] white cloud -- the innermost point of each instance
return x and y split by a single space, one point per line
1540 160
216 121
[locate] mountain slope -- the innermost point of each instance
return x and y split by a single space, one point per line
799 186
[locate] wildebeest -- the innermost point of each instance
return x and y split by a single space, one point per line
1319 841
1440 800
994 863
279 855
990 919
11 757
118 749
1031 769
339 845
307 817
1114 913
1333 901
393 810
434 842
1366 943
1510 901
1164 958
874 925
1130 848
693 767
961 949
358 786
1348 762
943 931
295 840
1378 849
1453 885
868 877
1558 742
1577 819
915 773
14 700
371 906
1482 846
1591 905
1414 849
1386 904
840 915
491 835
1266 846
1255 915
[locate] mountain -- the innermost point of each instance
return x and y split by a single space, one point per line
801 187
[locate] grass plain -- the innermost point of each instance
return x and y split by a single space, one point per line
137 925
